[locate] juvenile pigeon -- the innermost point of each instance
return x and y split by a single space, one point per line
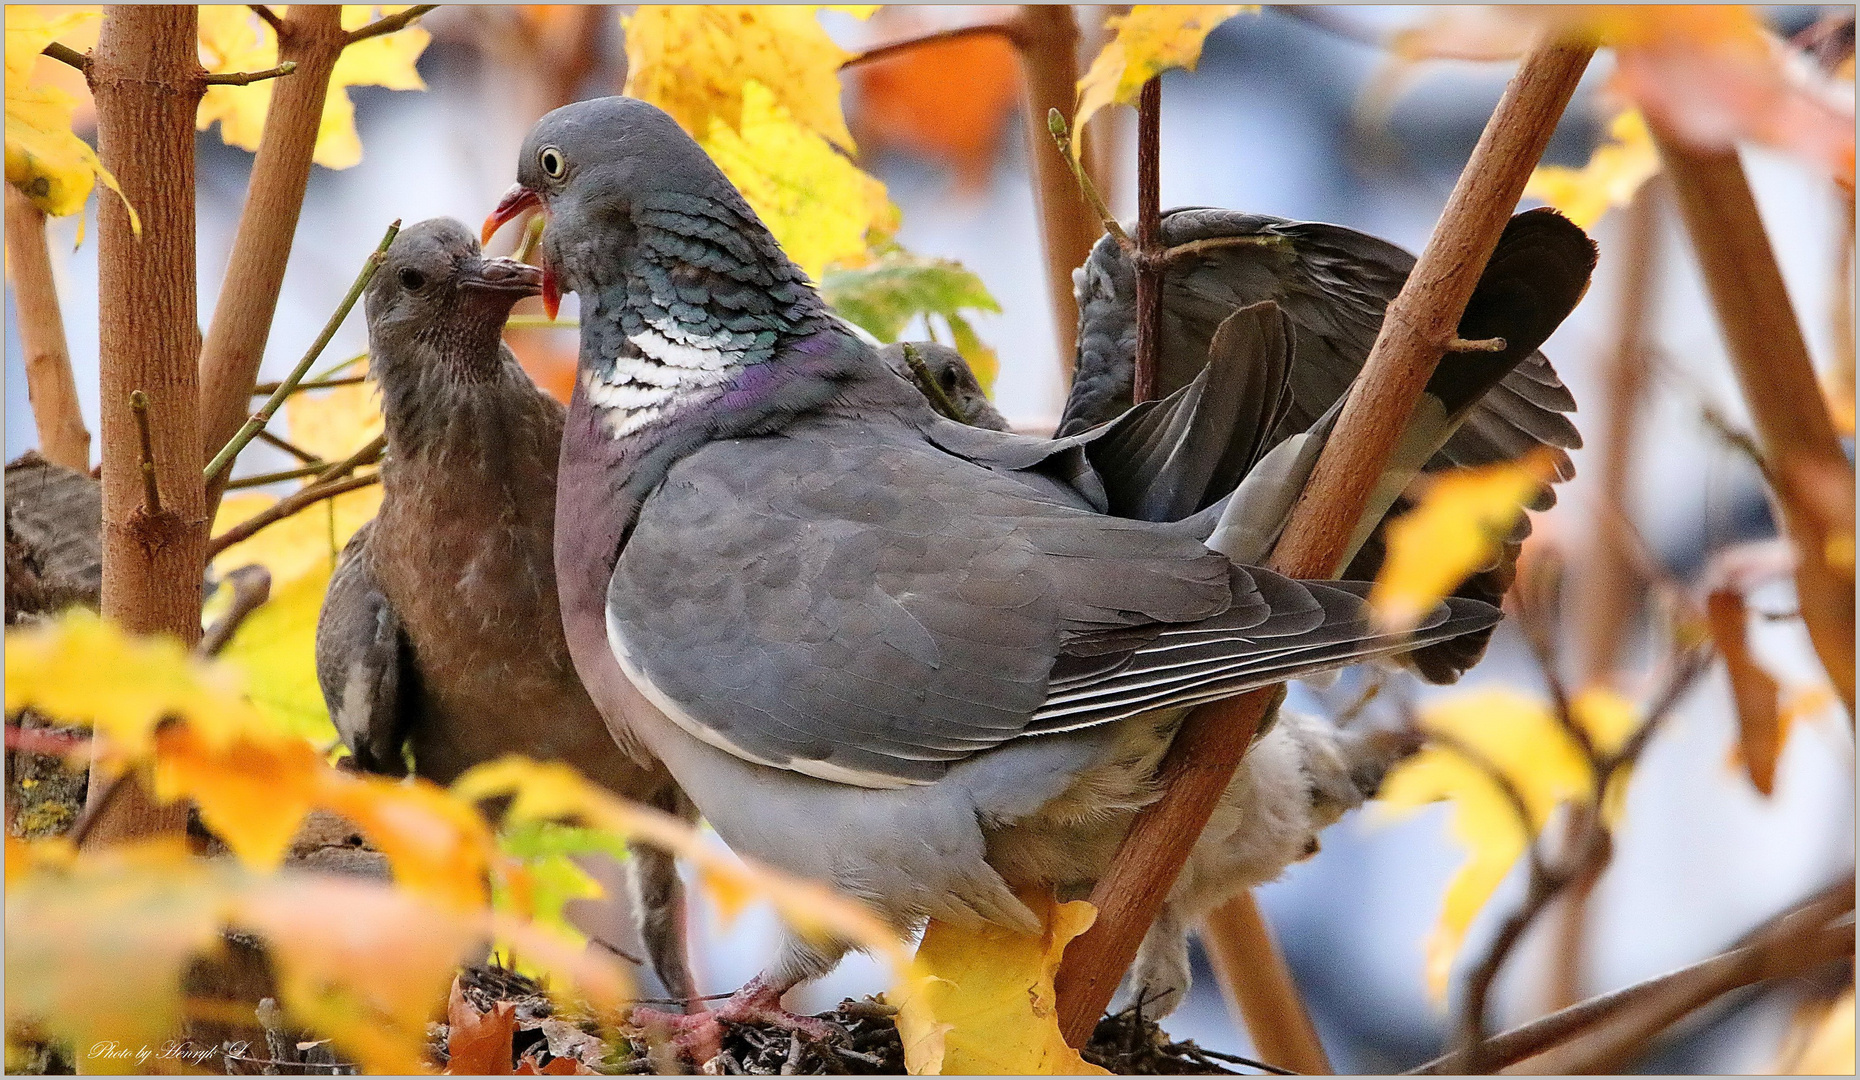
917 660
440 631
1333 284
953 380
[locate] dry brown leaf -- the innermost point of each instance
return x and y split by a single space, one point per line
1754 691
478 1043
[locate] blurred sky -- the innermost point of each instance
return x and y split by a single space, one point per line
1272 122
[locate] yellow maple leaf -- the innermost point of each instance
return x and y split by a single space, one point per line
821 208
985 1005
1150 40
1615 171
276 648
252 793
693 61
52 166
233 39
1519 736
551 791
1455 530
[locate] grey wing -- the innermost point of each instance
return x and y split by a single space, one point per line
364 665
1333 284
868 609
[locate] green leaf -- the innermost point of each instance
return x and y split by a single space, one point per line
899 286
982 359
546 849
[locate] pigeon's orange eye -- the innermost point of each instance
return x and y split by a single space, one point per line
552 163
411 279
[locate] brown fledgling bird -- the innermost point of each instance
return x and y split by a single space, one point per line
441 633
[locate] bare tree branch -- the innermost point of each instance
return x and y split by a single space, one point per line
397 21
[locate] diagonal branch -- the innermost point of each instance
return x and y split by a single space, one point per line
65 54
1812 934
1415 332
397 21
285 507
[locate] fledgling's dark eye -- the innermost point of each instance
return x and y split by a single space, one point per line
552 162
411 279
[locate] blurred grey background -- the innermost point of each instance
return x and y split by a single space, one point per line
1274 121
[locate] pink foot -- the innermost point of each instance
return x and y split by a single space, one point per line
699 1036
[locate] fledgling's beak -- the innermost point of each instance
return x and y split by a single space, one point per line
506 276
515 201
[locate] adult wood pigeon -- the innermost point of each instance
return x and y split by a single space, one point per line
921 661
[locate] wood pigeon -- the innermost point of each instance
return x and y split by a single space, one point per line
440 632
924 662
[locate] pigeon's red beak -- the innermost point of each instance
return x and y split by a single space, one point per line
515 201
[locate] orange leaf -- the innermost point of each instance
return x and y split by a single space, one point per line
1759 721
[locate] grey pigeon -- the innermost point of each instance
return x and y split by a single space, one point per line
1333 284
440 631
918 660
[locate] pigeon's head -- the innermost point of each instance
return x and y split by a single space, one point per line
585 166
437 298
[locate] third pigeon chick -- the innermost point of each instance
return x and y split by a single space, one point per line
441 630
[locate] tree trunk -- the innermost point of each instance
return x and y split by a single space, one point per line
63 438
146 79
313 38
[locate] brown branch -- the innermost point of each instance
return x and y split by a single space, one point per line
285 507
310 36
271 18
1200 764
1807 936
145 79
251 587
1048 38
1258 985
63 439
885 52
151 487
261 479
1149 239
289 447
247 78
397 21
1607 591
1771 360
65 54
370 453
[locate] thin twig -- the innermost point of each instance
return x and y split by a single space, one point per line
151 489
290 448
223 460
370 453
67 55
285 507
261 479
1775 949
343 365
885 52
264 12
926 382
247 78
267 388
1062 136
1149 239
1196 247
391 23
251 587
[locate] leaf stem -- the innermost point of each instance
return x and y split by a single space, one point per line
1062 136
223 460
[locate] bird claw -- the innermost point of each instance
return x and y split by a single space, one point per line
699 1036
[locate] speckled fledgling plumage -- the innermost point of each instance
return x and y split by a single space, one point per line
915 659
441 631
